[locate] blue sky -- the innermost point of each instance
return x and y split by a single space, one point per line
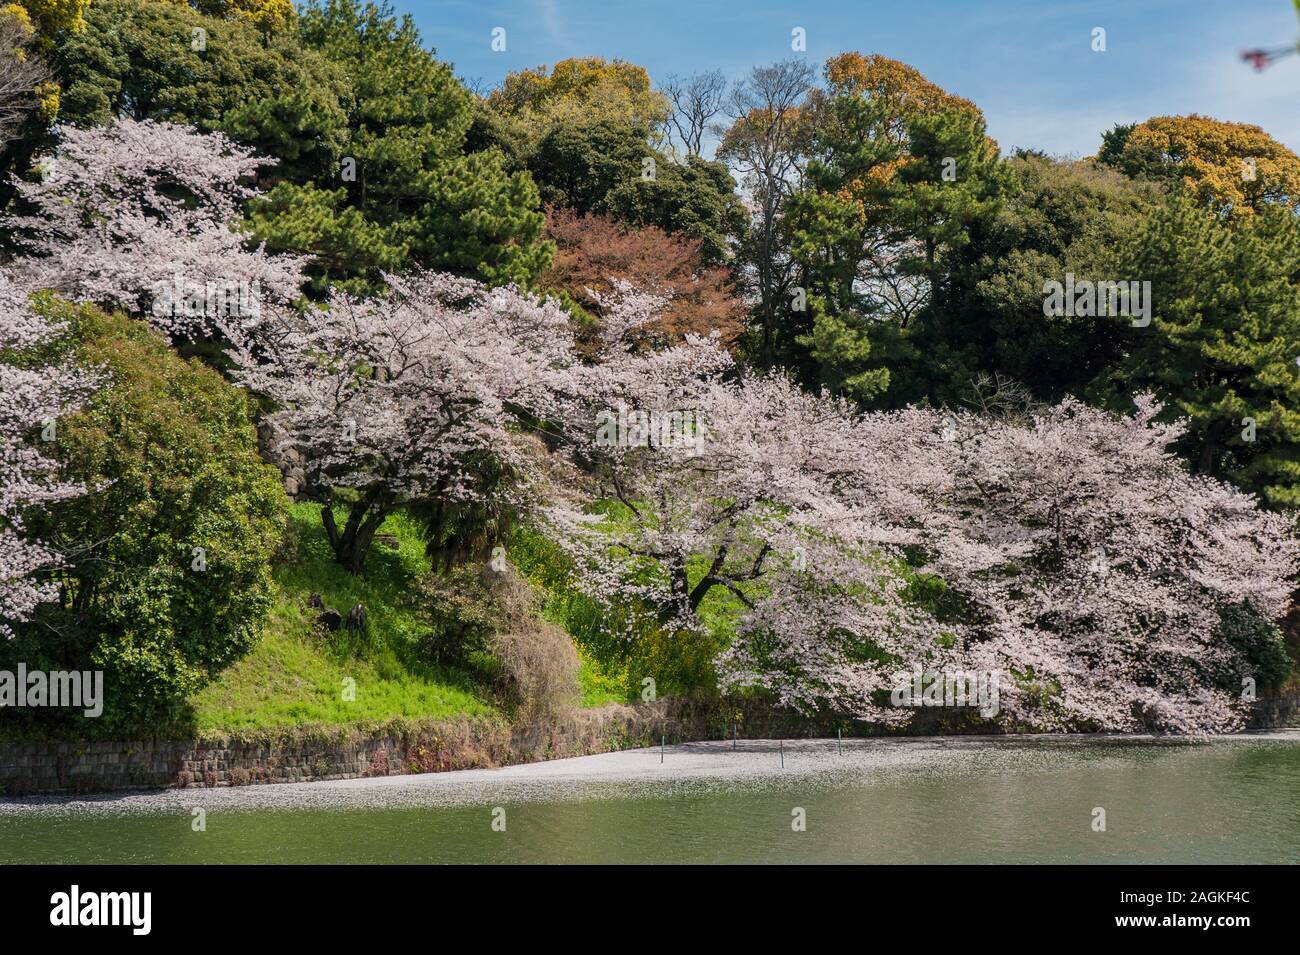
1027 63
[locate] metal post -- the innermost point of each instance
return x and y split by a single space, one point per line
733 736
781 744
839 742
662 741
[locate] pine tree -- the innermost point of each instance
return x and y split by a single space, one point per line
1224 341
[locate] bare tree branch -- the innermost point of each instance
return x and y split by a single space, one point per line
765 147
21 72
696 99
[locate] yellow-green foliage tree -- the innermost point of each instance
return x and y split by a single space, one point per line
51 18
900 180
266 15
901 91
590 133
578 91
26 87
899 94
1237 167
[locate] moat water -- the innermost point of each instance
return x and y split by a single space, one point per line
969 800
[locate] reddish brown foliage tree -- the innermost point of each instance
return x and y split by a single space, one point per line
592 250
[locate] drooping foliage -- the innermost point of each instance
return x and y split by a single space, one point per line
406 398
1062 548
144 216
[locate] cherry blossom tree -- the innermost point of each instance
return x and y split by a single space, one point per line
719 485
144 216
1065 550
1093 568
1070 553
401 398
33 396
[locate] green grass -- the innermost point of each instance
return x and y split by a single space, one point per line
288 682
295 675
618 654
599 685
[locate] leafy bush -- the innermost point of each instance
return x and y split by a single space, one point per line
1261 645
459 609
486 620
168 570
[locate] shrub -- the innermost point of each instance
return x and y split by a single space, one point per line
459 609
539 669
169 456
487 620
1260 645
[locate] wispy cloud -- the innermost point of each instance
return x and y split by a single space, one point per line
552 22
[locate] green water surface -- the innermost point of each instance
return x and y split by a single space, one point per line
1231 801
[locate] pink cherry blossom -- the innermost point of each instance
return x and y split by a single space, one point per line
1075 552
32 398
124 213
395 397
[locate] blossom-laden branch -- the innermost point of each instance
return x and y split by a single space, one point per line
33 396
403 397
1065 547
145 216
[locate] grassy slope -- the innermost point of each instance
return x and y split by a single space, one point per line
295 676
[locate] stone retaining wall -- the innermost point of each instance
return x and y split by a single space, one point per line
1276 712
399 747
297 755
